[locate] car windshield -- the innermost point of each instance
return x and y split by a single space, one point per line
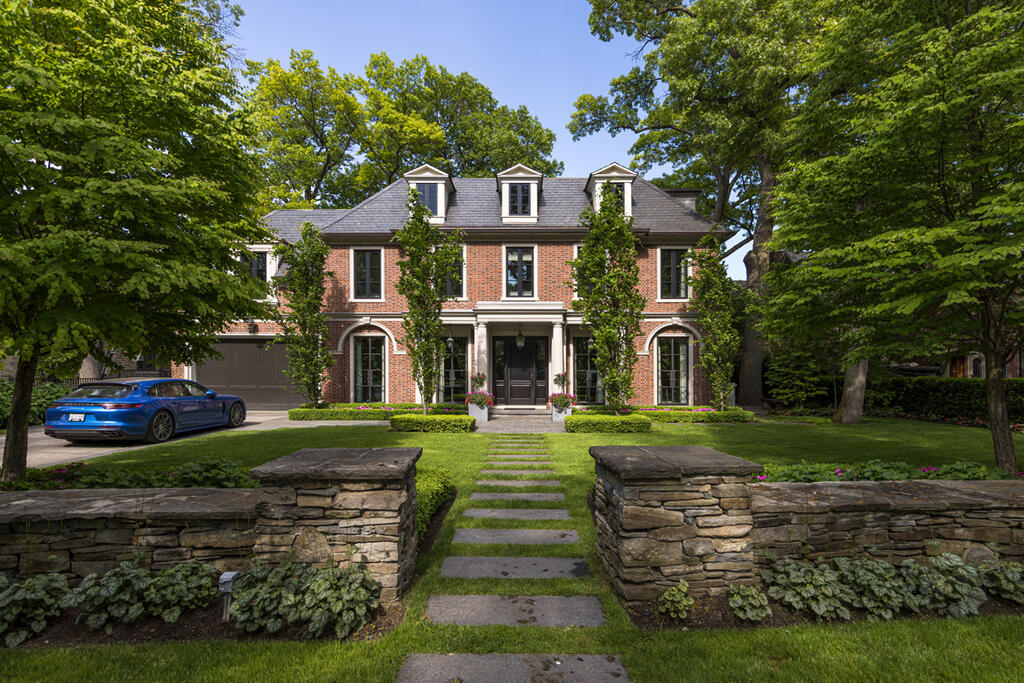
101 391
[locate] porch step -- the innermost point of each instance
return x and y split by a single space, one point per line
517 513
482 567
516 610
517 536
444 668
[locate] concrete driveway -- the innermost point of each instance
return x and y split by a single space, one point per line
45 451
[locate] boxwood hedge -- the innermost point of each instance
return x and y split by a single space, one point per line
432 423
607 423
680 414
367 412
42 396
433 486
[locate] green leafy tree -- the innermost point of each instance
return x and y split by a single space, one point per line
712 96
126 188
607 281
429 258
718 304
310 124
915 210
304 321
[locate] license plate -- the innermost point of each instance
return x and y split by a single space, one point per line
76 417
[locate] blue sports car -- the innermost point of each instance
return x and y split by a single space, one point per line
150 409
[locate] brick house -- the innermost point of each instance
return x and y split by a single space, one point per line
511 315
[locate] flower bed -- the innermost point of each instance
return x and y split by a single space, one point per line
879 470
372 411
432 423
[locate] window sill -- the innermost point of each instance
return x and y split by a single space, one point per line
671 301
519 219
367 301
519 298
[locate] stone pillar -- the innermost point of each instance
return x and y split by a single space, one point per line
673 512
342 505
557 354
481 343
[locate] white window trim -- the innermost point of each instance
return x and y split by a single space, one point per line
575 255
627 194
689 368
352 274
657 293
465 284
506 217
442 198
504 272
272 265
352 365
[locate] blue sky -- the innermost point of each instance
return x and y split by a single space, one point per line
532 52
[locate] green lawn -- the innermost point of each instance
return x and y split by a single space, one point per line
982 649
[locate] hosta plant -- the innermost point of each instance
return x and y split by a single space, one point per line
178 589
28 606
1004 581
676 601
748 603
259 595
115 596
804 586
878 587
946 585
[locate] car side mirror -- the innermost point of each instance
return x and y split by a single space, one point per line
210 393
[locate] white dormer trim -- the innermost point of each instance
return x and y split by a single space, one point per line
519 173
613 172
428 174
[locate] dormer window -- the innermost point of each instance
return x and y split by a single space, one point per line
519 190
434 187
612 179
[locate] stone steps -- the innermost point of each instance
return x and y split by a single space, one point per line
441 668
519 456
517 513
518 483
533 497
516 610
516 472
484 567
517 536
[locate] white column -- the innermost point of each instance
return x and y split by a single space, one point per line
557 354
480 342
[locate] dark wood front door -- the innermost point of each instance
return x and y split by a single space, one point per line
520 374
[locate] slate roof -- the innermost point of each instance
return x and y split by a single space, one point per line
474 204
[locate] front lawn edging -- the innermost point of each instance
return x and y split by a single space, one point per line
614 424
433 423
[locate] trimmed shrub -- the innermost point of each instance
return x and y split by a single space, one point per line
368 411
433 486
43 395
673 413
432 423
609 424
878 470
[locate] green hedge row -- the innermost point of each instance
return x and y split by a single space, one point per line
42 396
366 413
432 423
607 423
433 486
397 405
689 414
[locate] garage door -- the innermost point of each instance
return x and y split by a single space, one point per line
253 371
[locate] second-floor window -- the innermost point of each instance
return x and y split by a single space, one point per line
367 274
257 264
519 272
519 199
614 191
428 196
673 274
454 287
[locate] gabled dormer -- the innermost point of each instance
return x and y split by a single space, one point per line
519 188
435 187
612 178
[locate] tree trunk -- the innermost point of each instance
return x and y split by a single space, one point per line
998 416
16 441
751 390
851 406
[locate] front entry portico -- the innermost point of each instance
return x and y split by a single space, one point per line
520 370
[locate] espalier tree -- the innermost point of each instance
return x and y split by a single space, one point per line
126 188
607 281
719 312
304 321
429 258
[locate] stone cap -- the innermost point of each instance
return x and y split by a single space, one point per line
857 496
339 464
136 504
631 463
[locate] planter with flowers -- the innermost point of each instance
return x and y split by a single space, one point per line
561 406
479 403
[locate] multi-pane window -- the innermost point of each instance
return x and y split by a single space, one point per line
519 272
673 274
614 191
367 273
453 285
257 265
587 380
369 369
673 369
454 372
428 196
519 199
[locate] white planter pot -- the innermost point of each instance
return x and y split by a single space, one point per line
480 413
560 415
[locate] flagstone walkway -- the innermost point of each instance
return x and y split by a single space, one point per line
510 455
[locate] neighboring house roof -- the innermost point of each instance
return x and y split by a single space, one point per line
285 223
474 204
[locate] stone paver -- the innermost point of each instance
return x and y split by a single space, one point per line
516 610
535 497
515 424
517 536
508 471
482 567
519 456
440 668
503 462
517 513
518 483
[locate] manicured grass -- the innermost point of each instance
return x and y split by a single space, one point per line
983 649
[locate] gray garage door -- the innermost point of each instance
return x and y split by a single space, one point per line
251 370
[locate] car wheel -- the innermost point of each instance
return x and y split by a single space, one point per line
236 416
161 427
